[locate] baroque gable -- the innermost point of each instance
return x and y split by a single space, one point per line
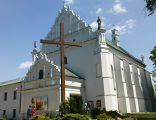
72 23
42 68
75 29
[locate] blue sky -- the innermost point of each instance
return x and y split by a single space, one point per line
24 21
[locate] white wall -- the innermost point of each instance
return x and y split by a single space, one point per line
82 62
95 69
10 103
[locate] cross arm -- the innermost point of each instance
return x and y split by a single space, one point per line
73 44
50 41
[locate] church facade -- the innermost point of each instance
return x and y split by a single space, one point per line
103 73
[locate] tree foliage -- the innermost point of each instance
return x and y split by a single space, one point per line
153 58
74 117
75 103
150 6
154 71
153 55
72 105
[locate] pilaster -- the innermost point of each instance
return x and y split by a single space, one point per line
106 92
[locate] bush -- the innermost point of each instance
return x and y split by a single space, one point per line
74 117
40 117
72 105
114 114
64 108
51 114
3 118
104 116
95 112
75 103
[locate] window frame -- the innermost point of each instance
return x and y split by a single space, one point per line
65 60
14 113
4 112
5 96
41 72
14 95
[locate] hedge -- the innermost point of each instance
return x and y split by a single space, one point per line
74 117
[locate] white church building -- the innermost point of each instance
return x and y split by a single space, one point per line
101 72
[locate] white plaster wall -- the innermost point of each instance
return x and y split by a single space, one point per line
85 63
110 93
10 104
125 57
73 86
81 61
53 94
140 91
71 91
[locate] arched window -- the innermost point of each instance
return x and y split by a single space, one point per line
65 60
41 73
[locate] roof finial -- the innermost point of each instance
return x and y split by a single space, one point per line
99 23
142 58
35 44
65 4
115 36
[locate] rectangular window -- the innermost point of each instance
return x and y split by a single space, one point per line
122 71
14 113
15 95
113 77
139 77
131 73
5 96
98 103
4 112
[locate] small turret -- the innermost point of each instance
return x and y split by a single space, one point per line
35 44
34 52
115 37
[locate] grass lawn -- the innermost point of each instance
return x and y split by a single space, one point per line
143 115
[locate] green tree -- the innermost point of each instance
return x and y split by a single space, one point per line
75 103
153 55
153 59
150 6
72 105
154 71
64 107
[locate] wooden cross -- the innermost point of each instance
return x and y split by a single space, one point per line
62 43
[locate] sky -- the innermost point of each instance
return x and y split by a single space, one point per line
24 21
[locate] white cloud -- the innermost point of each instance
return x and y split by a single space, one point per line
126 26
131 23
99 11
117 1
119 8
94 25
69 2
25 65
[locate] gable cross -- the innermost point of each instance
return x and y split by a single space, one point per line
62 43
